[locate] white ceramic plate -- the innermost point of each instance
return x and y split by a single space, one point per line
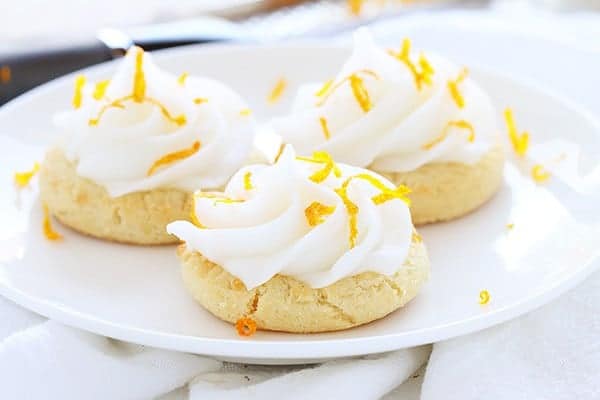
135 293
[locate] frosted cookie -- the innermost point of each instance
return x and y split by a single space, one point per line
133 149
418 119
303 245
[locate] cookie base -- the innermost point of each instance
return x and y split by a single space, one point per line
135 218
289 305
444 191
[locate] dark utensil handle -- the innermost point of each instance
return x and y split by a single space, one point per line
20 72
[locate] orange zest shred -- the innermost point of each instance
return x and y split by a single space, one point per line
245 326
316 213
179 120
416 237
172 157
539 173
484 297
510 226
461 123
360 93
322 157
182 78
325 88
200 100
246 112
520 142
325 127
453 88
139 79
78 95
138 95
423 72
22 179
50 233
248 181
100 89
277 90
279 152
387 193
351 209
357 86
218 198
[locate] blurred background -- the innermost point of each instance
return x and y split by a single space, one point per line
41 40
26 22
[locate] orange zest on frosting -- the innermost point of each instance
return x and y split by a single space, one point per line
484 297
325 127
245 326
248 181
277 90
217 197
329 166
316 213
520 142
356 84
453 88
100 89
360 92
351 209
173 157
22 179
325 88
182 78
200 100
139 78
50 233
138 95
193 216
510 226
401 192
539 173
422 72
461 123
246 112
78 95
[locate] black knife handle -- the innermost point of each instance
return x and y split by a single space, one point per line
20 72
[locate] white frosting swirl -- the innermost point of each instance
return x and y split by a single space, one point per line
269 233
390 137
119 150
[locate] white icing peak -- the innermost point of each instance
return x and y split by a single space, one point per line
389 111
151 129
297 218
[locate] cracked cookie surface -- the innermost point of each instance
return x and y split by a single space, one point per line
287 304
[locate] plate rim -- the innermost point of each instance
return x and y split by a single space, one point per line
293 349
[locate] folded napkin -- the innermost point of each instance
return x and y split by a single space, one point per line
552 353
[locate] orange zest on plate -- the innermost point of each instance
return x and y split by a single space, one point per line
520 142
484 297
173 157
245 326
277 90
49 232
539 173
23 178
182 78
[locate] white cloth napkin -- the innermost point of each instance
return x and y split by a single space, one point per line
552 353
